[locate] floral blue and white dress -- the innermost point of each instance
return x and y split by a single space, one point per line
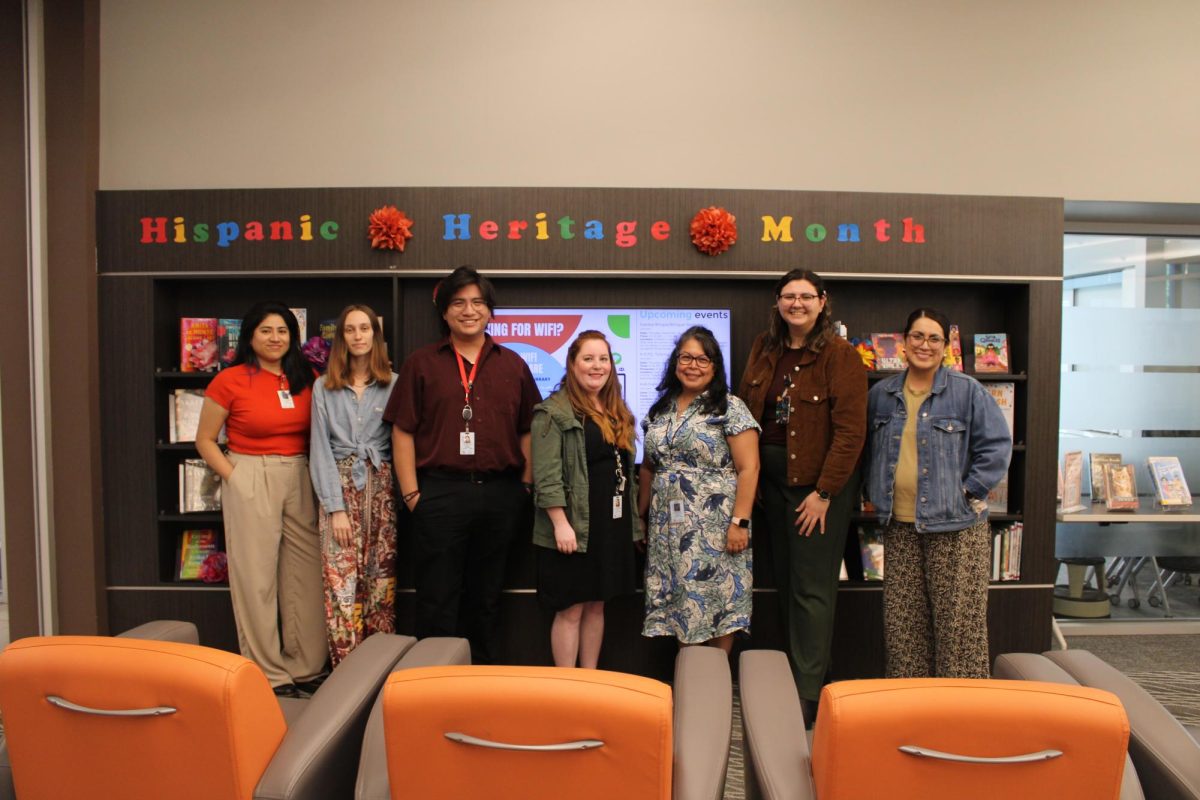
695 590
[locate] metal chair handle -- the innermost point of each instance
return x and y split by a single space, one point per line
924 752
582 744
156 711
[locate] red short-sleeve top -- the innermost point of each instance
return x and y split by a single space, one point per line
258 424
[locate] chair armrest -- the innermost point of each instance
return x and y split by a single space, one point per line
703 698
1033 667
164 630
1166 755
318 755
372 783
776 754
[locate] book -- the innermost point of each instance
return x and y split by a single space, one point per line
1096 464
1170 487
199 487
228 333
1006 552
953 359
997 499
193 548
327 329
1072 481
197 344
991 352
1120 487
184 414
889 350
870 544
301 323
1005 393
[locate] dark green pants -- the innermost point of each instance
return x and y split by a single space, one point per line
805 568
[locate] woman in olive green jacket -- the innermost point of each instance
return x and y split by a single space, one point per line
586 499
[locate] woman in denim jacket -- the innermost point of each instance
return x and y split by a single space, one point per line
937 443
585 491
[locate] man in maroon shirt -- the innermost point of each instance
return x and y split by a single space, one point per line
460 414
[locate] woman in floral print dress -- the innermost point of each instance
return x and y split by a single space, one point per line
698 479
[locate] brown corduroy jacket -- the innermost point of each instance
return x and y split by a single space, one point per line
828 423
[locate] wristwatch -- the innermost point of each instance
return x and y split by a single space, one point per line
741 522
824 495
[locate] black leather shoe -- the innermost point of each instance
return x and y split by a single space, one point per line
287 690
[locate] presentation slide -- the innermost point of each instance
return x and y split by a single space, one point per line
641 341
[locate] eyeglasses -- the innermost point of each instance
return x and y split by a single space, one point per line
687 359
460 303
805 298
918 338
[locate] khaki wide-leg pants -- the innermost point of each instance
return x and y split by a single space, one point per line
275 566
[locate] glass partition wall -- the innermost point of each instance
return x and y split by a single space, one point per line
1131 386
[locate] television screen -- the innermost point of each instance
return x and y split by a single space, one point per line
641 340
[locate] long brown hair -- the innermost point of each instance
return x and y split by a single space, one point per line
379 369
616 423
777 330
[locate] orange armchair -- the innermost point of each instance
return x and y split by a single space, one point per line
929 738
133 718
527 733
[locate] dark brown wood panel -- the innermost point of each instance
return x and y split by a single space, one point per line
209 609
962 235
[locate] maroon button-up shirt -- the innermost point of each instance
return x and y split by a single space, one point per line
427 402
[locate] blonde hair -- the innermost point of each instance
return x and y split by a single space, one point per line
379 369
616 422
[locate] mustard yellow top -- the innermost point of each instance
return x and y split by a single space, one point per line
904 493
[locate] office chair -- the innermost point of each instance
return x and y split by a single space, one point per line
929 738
534 733
135 718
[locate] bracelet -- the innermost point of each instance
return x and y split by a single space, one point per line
411 495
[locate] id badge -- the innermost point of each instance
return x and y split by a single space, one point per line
676 507
285 399
618 506
466 443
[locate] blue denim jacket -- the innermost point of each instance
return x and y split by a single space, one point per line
963 445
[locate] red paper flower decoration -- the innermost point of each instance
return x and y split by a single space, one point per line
215 568
390 228
714 230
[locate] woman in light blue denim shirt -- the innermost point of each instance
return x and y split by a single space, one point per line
350 460
937 443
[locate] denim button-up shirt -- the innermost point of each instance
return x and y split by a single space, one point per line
343 425
963 447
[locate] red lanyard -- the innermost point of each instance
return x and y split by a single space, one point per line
468 381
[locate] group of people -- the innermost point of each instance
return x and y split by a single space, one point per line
471 442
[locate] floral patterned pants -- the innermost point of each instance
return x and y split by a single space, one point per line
935 588
360 580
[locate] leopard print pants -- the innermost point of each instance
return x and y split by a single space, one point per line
935 588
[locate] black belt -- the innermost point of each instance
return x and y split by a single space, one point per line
469 477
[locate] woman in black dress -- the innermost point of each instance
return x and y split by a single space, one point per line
584 491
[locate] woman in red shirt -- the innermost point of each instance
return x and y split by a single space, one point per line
264 402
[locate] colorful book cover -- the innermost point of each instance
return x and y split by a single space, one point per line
889 350
197 344
228 333
870 544
199 487
991 352
953 358
1005 394
301 323
1072 482
1170 486
327 329
1097 462
1120 488
194 547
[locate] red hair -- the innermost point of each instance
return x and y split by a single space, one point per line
616 421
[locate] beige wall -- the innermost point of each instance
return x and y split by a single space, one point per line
1085 100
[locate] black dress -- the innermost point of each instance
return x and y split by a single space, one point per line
606 570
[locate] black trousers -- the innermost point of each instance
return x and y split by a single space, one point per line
461 537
